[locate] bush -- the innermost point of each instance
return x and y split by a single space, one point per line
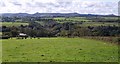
117 40
4 37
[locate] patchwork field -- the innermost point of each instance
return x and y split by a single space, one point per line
58 50
86 24
12 23
72 19
99 24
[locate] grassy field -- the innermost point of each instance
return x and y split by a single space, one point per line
58 50
72 19
87 22
12 23
79 19
110 18
0 51
99 24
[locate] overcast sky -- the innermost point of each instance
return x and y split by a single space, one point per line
59 6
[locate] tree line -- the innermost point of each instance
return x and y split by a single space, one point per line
54 29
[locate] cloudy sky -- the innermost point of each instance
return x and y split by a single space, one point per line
59 6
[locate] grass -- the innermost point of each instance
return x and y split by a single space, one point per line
72 19
0 33
110 18
58 50
0 51
100 23
12 23
87 22
79 19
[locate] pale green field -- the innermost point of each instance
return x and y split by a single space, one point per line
58 50
88 22
72 19
110 18
99 24
12 23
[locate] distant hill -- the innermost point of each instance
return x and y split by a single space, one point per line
52 15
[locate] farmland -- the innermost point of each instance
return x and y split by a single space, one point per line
99 24
72 19
110 18
58 50
84 21
12 24
59 38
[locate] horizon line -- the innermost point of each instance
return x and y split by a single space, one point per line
62 13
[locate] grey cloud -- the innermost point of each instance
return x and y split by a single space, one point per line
65 6
39 4
64 3
119 8
16 3
92 5
2 4
57 4
52 4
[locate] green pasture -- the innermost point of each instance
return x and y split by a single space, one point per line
58 50
79 19
72 19
12 23
110 18
86 22
99 24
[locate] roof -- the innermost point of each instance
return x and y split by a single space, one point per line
22 34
